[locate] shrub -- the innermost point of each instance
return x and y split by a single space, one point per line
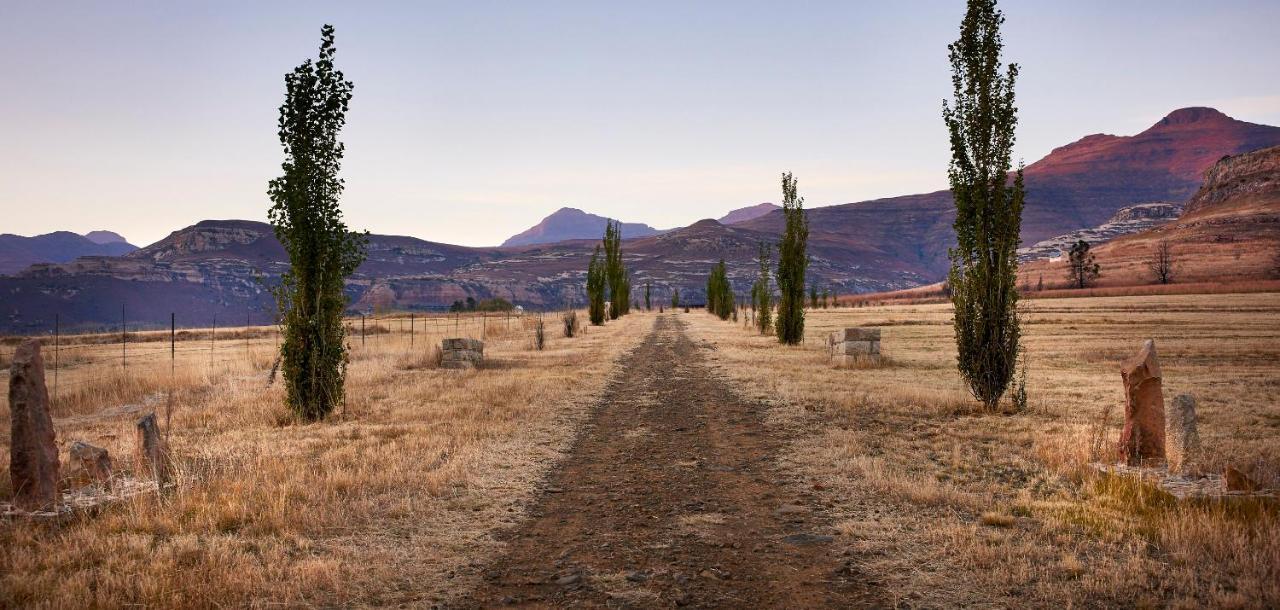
570 319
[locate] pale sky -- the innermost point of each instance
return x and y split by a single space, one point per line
473 120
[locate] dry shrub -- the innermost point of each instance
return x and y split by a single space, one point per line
420 360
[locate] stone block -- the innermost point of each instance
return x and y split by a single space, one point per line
94 462
474 345
856 347
855 334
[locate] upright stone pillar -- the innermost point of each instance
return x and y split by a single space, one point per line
1181 438
1142 439
33 452
152 452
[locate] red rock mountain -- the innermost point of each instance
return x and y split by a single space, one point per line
212 268
1229 231
572 223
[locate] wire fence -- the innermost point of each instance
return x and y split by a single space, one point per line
78 363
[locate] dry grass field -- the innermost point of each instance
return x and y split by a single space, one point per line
949 508
399 499
391 502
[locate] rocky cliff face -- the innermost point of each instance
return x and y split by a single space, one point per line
1237 177
1127 221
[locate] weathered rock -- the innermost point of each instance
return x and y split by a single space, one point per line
474 345
95 462
152 452
1181 438
856 347
33 452
855 334
461 353
1142 438
1239 481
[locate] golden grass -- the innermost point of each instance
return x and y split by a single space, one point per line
951 508
393 501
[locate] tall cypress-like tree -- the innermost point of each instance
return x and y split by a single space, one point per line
720 299
762 294
307 221
981 120
616 273
595 288
647 305
792 262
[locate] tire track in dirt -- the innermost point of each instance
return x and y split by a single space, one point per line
672 497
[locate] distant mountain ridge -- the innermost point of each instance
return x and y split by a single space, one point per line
571 223
18 252
224 267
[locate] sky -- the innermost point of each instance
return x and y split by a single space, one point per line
473 120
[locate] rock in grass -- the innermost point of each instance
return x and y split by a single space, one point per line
95 462
1239 481
152 452
1181 438
33 452
1142 439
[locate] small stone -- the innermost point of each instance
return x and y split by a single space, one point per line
634 576
1239 481
94 461
33 451
1142 438
569 580
1181 438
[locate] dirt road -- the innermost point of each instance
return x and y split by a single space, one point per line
672 497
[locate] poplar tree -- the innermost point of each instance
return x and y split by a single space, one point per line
981 120
792 261
307 221
762 294
719 292
616 273
595 288
647 305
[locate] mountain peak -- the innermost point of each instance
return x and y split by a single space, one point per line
1194 114
748 213
105 237
569 223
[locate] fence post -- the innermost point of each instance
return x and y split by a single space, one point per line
361 330
123 338
212 336
246 334
173 335
410 331
57 330
484 326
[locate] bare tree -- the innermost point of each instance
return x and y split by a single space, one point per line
1162 262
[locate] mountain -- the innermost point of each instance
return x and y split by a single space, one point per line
748 213
1229 231
105 237
571 223
18 252
224 268
1076 186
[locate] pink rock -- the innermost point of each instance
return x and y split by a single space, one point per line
1142 439
33 452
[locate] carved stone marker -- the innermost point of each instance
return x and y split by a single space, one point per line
853 344
1142 438
1181 438
152 452
95 462
461 353
33 453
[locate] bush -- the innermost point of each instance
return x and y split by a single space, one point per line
570 319
539 333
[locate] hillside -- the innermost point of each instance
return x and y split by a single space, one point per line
18 252
571 223
748 213
223 268
1230 231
